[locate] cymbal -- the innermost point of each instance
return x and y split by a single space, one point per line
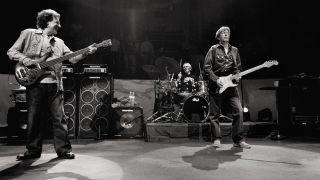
168 63
150 69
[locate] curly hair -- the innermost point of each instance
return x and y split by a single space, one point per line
46 16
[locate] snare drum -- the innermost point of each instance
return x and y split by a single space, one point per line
195 109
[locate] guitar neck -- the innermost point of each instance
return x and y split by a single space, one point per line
45 64
243 73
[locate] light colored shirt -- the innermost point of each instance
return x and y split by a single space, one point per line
31 44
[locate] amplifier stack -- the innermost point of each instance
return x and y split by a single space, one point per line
88 93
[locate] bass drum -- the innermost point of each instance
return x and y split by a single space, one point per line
195 109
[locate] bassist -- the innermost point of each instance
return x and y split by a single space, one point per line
221 60
45 97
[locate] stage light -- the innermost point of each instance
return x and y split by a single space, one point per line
246 114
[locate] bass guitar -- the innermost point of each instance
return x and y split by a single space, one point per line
228 81
28 75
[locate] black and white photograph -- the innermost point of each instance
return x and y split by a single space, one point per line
159 89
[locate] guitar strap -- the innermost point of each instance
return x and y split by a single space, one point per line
234 55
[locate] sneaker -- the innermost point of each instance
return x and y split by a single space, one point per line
68 155
28 155
216 143
242 144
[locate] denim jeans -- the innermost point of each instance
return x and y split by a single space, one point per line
45 102
225 103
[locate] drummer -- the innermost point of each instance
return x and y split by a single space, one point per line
186 80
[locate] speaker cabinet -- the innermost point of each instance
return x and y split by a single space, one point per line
96 93
17 122
128 121
70 103
296 104
17 116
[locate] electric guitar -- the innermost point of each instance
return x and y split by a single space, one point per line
228 81
28 75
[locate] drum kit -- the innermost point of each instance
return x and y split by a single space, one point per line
174 103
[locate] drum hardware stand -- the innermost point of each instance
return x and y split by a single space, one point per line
171 116
99 135
277 135
180 117
163 116
217 118
152 116
223 116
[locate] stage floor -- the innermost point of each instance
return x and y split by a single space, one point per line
136 159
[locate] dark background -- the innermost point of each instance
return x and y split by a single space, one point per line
183 29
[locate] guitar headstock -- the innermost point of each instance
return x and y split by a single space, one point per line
270 63
105 43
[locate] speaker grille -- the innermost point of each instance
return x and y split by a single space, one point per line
70 102
94 104
127 121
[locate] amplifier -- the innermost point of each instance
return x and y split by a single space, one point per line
95 68
67 69
127 122
19 95
296 99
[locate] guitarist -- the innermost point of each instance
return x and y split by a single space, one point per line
45 97
223 59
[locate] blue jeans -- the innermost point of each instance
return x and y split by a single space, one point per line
225 103
44 101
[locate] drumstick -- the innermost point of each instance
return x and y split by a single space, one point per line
200 76
168 75
180 64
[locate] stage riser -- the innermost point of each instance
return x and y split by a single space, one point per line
166 132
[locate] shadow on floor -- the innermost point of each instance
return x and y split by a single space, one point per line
210 158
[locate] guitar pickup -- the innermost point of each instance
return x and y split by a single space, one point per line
21 73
